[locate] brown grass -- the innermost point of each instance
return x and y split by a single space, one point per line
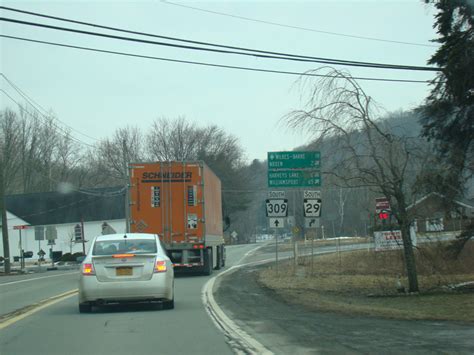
365 282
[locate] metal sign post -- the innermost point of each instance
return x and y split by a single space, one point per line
312 254
22 256
276 251
295 247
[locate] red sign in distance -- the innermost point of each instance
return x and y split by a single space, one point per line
20 227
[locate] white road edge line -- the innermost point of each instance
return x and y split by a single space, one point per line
37 278
238 339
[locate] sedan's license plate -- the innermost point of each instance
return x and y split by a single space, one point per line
123 271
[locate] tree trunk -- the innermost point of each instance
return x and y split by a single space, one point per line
6 244
410 263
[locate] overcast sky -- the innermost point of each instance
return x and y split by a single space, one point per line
96 93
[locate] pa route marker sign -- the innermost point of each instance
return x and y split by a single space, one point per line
276 222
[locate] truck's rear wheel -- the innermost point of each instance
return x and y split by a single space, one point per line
207 262
219 259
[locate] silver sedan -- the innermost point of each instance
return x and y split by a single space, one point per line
123 268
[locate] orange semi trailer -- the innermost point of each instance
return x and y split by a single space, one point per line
181 202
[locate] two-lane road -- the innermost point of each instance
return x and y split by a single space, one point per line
60 329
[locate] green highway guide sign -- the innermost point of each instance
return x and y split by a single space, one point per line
294 160
294 178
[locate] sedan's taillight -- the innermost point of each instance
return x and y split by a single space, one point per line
88 269
160 266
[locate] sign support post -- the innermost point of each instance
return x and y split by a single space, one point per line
277 234
83 237
39 259
22 259
312 252
22 256
295 247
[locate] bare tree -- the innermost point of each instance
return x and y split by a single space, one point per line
9 167
173 140
366 152
68 157
113 155
180 140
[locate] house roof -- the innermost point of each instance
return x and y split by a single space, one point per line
464 203
47 208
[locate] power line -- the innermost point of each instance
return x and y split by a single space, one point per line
43 112
255 53
208 64
65 133
298 27
23 94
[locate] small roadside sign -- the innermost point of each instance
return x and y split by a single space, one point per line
277 208
20 227
276 194
312 207
382 204
39 233
51 233
310 223
390 240
314 194
276 222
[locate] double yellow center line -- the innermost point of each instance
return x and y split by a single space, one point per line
13 317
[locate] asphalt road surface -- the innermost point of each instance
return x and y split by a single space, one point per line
60 329
188 329
290 329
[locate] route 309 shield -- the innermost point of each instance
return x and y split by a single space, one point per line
276 207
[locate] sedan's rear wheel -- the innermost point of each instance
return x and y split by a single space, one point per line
168 304
85 308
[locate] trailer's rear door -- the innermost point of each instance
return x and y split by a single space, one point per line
166 198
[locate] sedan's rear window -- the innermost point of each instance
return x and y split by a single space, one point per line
135 246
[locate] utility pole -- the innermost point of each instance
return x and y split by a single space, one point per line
127 192
83 237
3 211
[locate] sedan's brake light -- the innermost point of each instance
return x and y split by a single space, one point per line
120 256
160 266
88 269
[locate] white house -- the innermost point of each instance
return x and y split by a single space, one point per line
62 213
